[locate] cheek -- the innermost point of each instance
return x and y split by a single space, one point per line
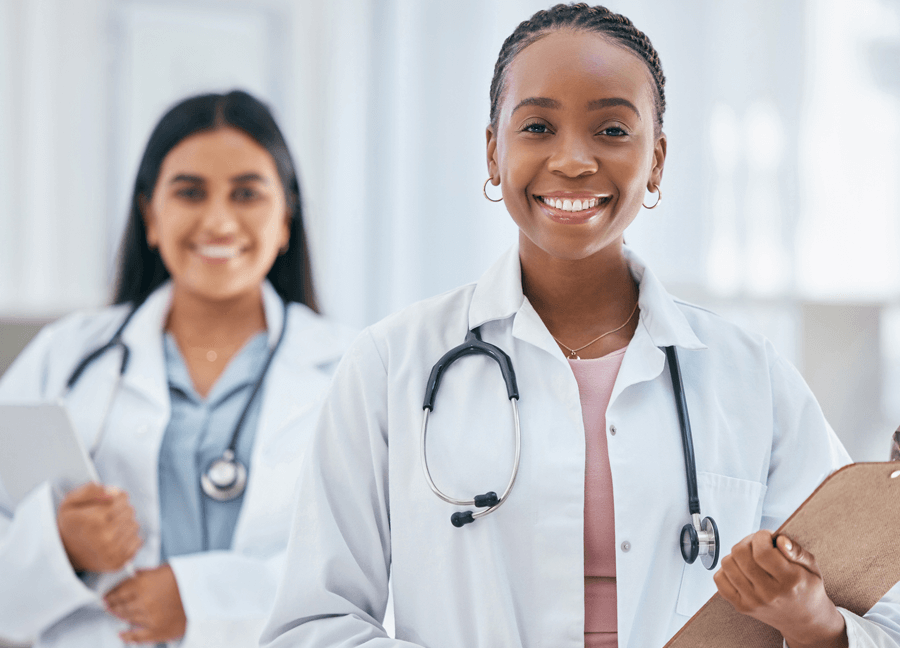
519 166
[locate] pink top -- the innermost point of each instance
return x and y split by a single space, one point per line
596 379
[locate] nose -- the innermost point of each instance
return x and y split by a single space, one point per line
573 157
219 218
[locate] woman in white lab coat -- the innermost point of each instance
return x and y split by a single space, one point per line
575 143
214 267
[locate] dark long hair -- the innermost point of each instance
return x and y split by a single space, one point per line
140 269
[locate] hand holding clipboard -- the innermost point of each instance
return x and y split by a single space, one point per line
850 525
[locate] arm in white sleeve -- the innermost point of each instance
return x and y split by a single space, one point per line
805 450
38 585
334 587
879 627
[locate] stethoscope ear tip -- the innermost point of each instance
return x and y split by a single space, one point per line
461 518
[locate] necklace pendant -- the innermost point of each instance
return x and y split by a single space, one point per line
573 356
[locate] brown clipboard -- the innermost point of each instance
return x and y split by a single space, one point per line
851 524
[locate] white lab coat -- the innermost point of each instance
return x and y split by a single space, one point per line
226 594
516 577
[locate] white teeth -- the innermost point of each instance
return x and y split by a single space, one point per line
572 205
218 251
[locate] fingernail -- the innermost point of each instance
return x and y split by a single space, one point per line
112 490
788 544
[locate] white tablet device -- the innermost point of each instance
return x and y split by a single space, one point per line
38 443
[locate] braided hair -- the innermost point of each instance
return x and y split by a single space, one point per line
581 17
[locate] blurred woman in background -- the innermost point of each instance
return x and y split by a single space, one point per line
194 394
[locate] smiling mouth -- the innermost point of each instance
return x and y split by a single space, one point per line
218 252
576 205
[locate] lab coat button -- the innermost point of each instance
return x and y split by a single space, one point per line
612 430
626 546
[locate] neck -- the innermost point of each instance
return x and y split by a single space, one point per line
200 323
581 299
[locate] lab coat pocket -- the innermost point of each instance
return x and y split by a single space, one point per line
736 506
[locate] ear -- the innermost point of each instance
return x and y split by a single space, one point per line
493 166
149 222
285 233
659 162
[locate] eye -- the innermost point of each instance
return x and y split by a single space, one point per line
192 193
245 194
613 131
538 128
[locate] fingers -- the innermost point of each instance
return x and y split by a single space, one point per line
796 554
126 601
735 586
139 634
99 535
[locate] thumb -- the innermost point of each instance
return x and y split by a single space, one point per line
797 554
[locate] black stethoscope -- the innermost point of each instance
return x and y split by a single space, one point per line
699 538
224 478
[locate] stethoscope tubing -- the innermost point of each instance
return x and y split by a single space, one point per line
684 421
471 502
224 493
699 538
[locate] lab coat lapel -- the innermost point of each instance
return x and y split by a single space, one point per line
498 295
661 324
146 372
287 392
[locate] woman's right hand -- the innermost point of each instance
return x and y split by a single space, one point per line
98 528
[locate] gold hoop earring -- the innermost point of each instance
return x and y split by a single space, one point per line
658 200
484 191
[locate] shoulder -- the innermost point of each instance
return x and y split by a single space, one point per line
55 351
724 337
413 335
83 330
432 320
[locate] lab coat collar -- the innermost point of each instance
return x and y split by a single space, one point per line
146 371
498 295
660 314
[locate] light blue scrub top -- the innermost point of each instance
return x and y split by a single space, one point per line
199 431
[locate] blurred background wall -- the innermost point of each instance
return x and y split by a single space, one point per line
780 211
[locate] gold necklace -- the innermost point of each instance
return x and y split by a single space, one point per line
573 353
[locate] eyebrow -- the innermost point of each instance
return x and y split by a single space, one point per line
244 177
596 104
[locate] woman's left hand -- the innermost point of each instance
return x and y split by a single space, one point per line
780 584
150 602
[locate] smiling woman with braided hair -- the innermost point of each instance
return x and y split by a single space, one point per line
585 548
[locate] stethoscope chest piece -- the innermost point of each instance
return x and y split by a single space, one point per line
224 478
700 539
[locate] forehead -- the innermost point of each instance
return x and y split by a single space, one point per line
577 66
221 152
